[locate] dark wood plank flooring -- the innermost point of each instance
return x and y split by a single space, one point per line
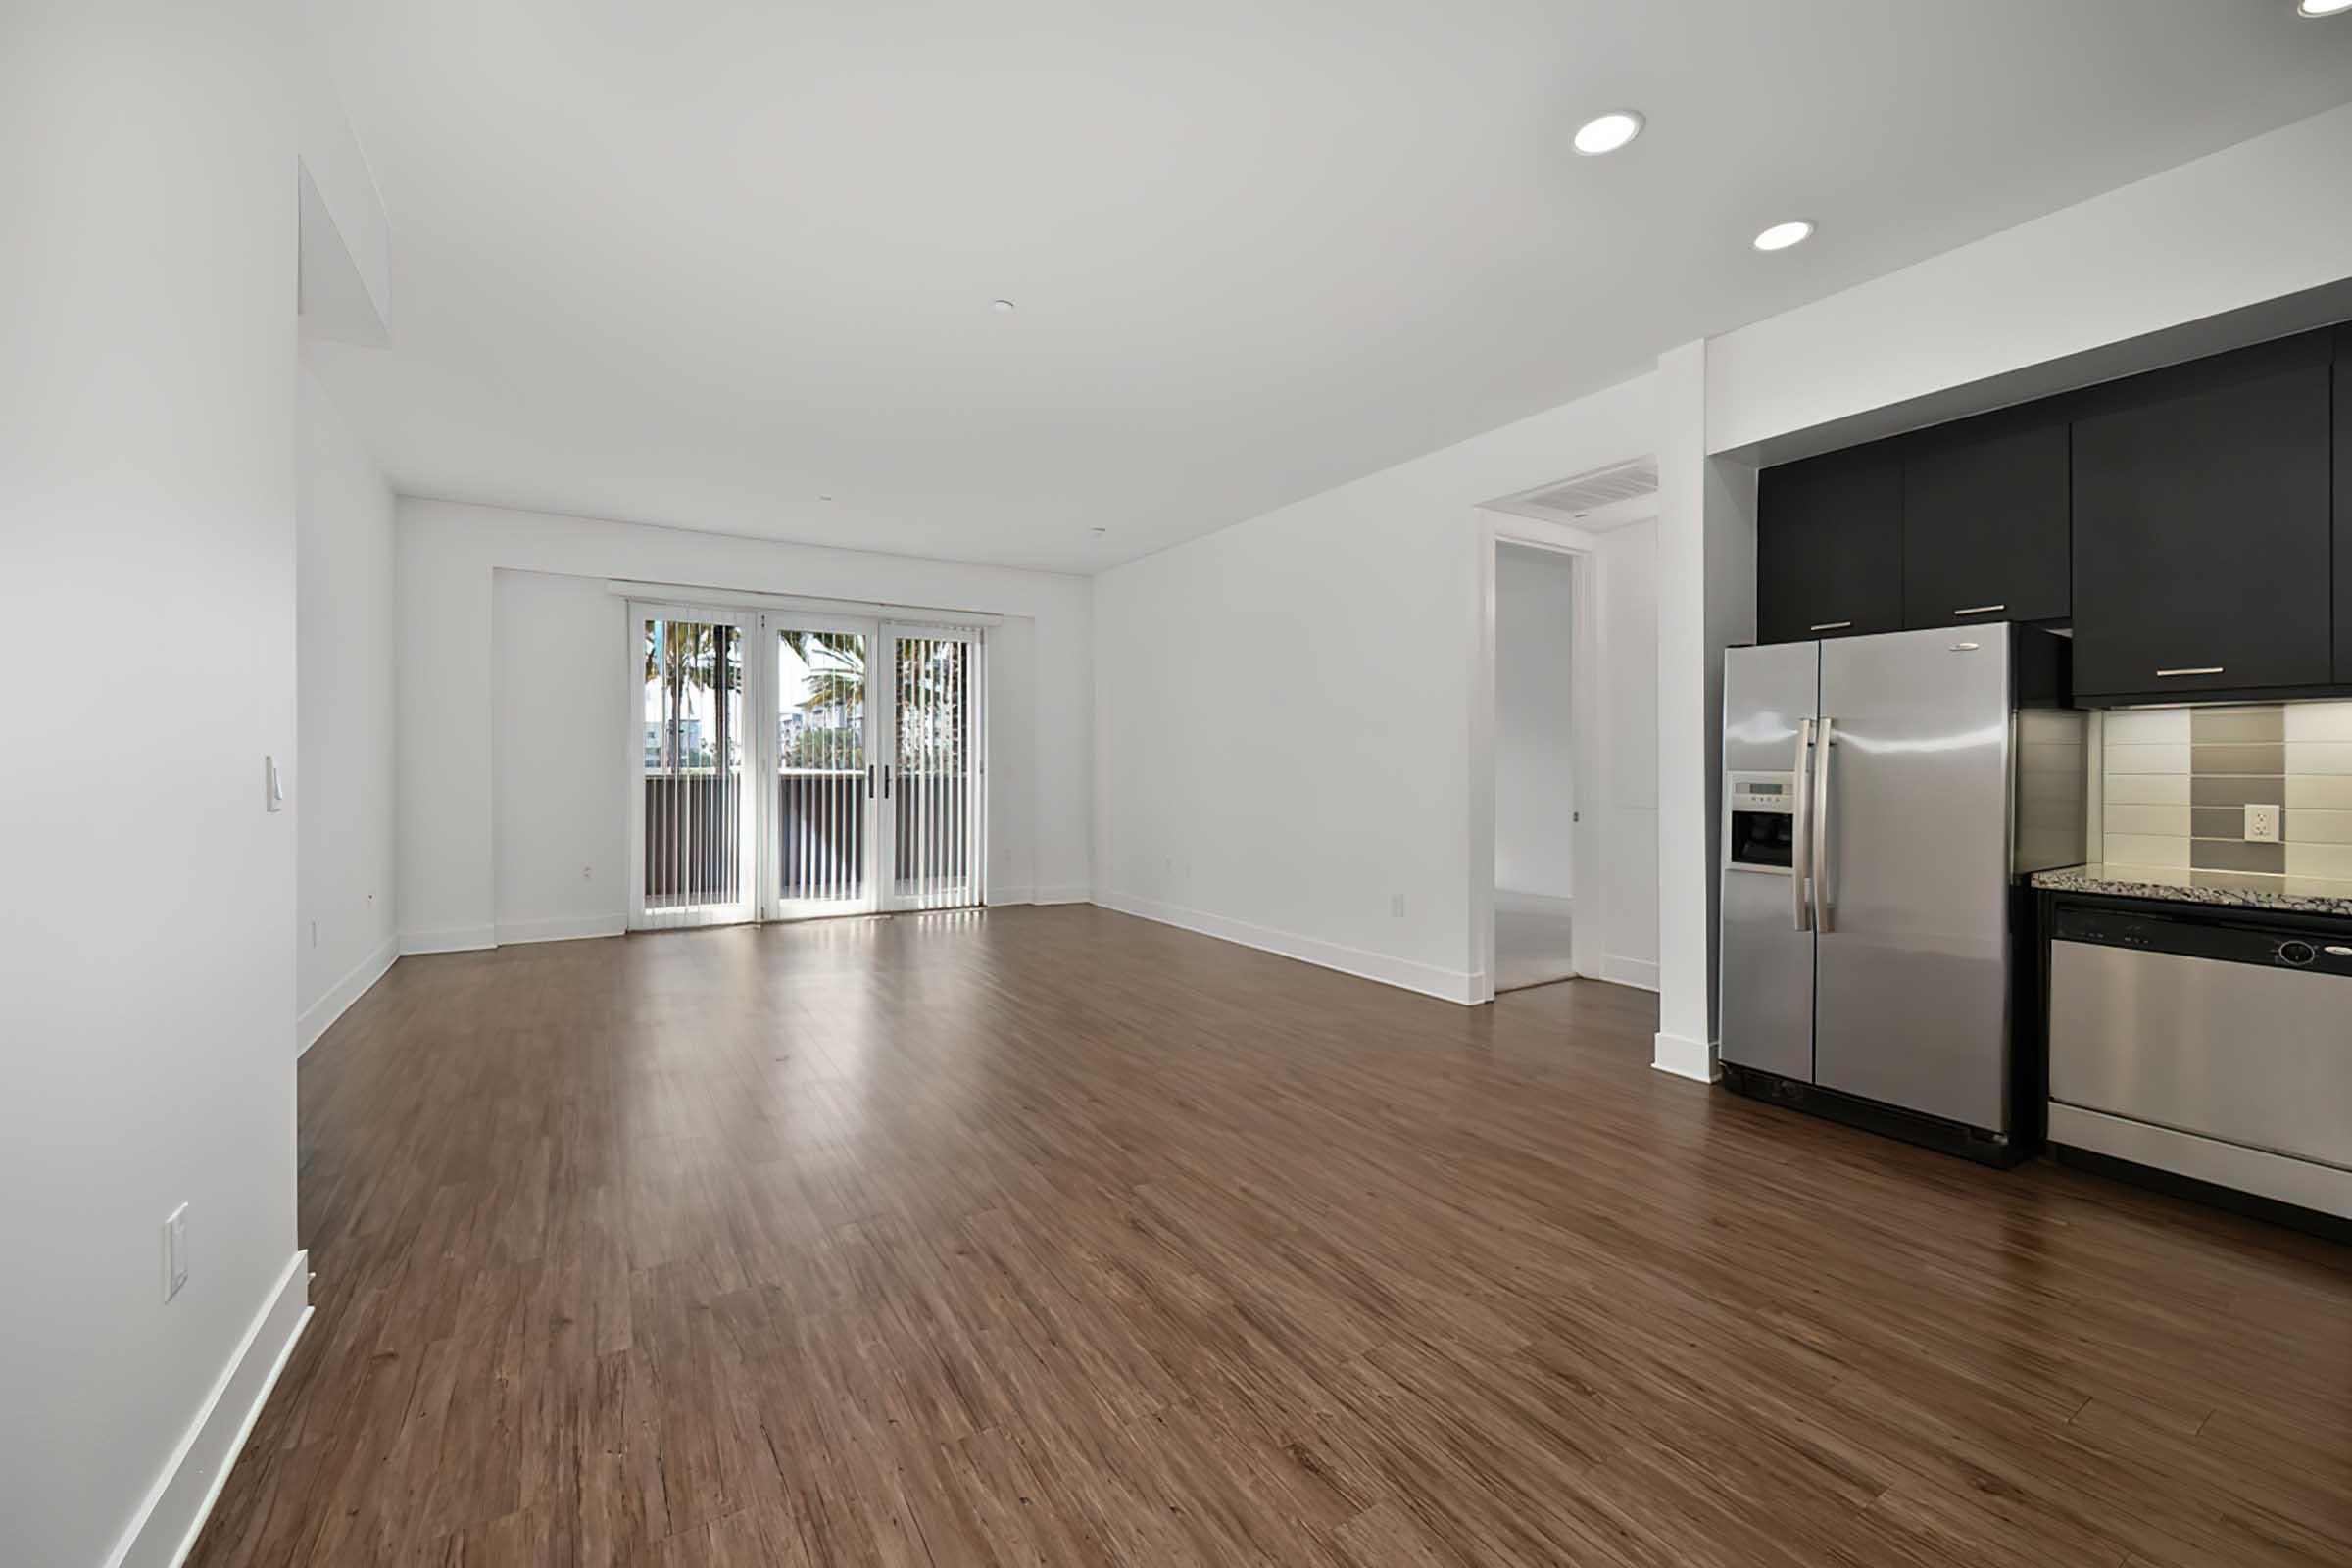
1051 1236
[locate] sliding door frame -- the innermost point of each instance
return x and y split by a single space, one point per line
773 905
747 626
758 621
975 698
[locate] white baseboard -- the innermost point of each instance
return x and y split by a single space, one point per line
164 1528
1001 896
321 1014
1450 985
449 939
1623 972
1683 1056
573 928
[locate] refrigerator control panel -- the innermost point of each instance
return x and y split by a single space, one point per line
1762 808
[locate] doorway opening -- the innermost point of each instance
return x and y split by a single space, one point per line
1535 811
1563 735
787 766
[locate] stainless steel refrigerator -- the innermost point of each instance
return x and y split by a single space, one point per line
1882 797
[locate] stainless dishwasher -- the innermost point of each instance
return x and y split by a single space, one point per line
2212 1044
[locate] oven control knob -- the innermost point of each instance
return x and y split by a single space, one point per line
2297 953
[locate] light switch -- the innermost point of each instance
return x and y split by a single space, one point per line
274 789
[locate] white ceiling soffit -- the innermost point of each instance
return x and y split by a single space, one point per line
710 263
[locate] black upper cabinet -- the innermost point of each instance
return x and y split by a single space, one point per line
2201 527
1829 546
2343 506
2194 524
1985 534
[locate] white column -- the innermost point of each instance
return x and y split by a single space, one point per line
1706 602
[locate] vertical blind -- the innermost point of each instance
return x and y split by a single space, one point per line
694 761
805 766
937 809
822 786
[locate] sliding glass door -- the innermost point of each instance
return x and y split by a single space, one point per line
691 823
823 847
936 847
787 766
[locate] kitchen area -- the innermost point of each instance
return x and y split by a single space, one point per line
2037 784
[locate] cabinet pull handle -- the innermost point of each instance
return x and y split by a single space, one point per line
2201 670
1830 625
1979 610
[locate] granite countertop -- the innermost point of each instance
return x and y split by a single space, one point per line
2245 890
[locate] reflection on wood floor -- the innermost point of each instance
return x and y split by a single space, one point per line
1051 1236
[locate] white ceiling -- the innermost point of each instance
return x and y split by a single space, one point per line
704 262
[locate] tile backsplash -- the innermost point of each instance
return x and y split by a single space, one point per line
2175 782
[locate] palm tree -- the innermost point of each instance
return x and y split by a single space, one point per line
681 653
931 722
835 686
836 662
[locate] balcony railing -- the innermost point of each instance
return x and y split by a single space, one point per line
692 826
820 832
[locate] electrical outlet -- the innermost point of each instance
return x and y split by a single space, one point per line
176 1252
2261 824
587 873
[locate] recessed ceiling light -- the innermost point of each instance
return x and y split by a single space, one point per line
2323 8
1605 133
1779 236
1002 307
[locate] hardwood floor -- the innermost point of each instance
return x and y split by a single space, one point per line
1051 1236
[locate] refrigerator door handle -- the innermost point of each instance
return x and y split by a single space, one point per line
1800 853
1817 851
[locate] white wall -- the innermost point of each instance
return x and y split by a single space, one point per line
346 273
1535 721
345 932
560 823
147 579
1284 708
1621 894
1706 602
470 759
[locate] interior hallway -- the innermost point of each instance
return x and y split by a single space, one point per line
1532 946
1055 1236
